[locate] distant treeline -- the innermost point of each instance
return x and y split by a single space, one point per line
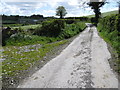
16 19
33 19
80 18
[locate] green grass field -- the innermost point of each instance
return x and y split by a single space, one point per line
18 61
27 26
106 13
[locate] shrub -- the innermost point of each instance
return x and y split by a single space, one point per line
6 33
70 30
18 38
50 28
50 31
110 23
69 21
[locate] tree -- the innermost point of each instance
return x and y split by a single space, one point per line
95 5
61 11
118 6
117 3
36 16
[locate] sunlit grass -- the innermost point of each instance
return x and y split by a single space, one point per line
24 51
18 61
26 27
113 40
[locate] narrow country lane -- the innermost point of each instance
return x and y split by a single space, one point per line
83 64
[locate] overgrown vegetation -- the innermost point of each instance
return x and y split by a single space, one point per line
71 30
19 61
22 40
49 31
51 28
25 48
109 27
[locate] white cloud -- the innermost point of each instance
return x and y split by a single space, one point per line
48 12
10 9
45 7
73 2
13 8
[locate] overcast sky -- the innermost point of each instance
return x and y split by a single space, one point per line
48 7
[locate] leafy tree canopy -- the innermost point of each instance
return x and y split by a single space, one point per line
95 5
61 11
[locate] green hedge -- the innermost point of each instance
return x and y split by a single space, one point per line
72 30
50 28
60 28
110 23
53 30
109 28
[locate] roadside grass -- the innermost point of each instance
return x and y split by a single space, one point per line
1 63
26 27
22 26
17 62
0 73
72 30
26 38
113 39
30 40
9 21
82 24
12 25
109 30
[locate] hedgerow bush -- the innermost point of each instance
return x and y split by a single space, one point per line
70 21
70 30
20 39
110 23
109 28
59 28
6 33
50 28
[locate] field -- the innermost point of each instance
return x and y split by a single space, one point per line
106 13
23 27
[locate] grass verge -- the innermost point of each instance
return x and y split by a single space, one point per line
20 59
112 39
22 40
18 63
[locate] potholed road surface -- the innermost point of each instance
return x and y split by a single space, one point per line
83 64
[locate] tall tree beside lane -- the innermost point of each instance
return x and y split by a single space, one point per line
95 5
